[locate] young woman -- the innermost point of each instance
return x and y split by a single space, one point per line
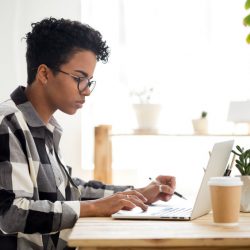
39 201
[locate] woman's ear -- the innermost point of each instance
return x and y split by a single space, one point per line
42 74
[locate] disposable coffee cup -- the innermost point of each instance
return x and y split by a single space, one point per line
225 193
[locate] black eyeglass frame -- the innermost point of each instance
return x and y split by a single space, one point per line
78 80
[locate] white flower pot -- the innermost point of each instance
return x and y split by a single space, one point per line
147 115
200 126
245 194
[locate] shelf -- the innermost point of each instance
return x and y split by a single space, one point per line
103 146
133 132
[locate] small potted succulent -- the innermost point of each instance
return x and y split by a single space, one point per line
243 165
200 125
146 109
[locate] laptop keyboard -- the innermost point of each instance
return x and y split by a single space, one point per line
173 212
167 212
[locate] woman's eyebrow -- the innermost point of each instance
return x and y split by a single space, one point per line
82 72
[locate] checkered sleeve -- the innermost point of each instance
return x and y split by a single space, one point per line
95 189
20 208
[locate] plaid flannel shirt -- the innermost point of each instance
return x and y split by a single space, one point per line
39 202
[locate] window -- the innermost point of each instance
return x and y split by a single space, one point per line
193 51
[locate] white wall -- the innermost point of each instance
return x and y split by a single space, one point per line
16 17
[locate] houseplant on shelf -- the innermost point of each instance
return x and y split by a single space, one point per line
243 165
200 125
146 110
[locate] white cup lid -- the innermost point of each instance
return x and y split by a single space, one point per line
225 181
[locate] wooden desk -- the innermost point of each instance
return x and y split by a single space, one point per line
106 233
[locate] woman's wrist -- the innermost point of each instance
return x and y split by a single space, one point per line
87 209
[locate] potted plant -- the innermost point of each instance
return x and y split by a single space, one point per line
200 125
147 112
243 165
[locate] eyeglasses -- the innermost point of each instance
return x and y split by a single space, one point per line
83 82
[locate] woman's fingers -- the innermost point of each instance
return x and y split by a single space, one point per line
135 193
166 189
165 197
108 205
167 180
135 200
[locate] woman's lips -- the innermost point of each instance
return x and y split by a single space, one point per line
80 103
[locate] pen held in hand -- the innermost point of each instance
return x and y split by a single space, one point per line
175 193
180 195
229 167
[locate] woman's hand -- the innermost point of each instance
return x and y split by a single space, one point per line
162 188
107 206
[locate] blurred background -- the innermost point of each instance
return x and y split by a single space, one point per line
192 53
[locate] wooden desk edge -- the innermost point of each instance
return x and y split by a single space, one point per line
239 241
166 243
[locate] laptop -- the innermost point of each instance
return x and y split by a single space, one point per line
216 167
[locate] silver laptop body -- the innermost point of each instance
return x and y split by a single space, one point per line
216 167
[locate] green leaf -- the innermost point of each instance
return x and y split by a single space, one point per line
246 20
248 39
247 4
242 158
235 153
240 169
238 161
247 170
238 165
203 114
240 149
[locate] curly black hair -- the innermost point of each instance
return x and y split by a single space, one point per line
54 41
